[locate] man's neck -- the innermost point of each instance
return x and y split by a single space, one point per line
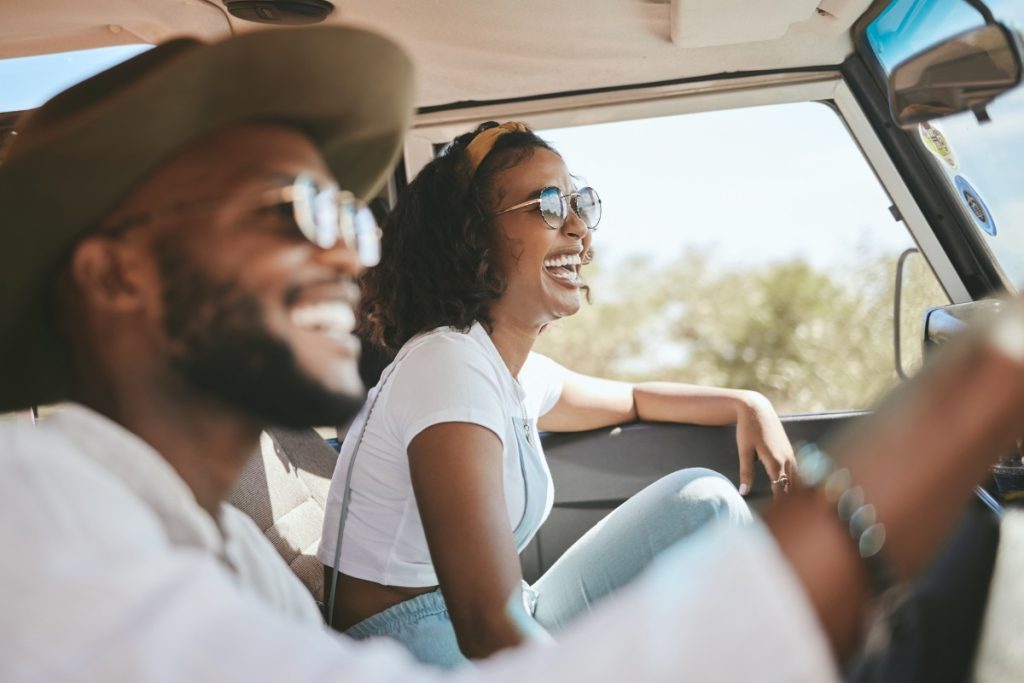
206 443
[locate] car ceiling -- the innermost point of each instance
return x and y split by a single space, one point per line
486 50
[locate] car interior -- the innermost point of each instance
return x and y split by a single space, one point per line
559 65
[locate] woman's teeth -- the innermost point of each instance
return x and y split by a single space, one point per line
333 318
564 260
565 267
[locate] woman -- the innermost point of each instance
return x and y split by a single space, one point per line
442 481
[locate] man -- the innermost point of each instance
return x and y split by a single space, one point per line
178 261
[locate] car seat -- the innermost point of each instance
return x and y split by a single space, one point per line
283 488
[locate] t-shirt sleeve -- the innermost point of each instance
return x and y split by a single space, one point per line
446 379
542 378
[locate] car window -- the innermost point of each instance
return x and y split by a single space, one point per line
979 164
750 247
27 82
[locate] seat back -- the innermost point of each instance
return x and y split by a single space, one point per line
283 489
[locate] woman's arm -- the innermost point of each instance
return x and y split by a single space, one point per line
591 403
456 470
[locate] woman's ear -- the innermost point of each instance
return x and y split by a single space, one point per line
109 274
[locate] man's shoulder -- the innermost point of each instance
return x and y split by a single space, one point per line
26 447
50 490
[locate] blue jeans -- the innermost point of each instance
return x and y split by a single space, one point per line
607 557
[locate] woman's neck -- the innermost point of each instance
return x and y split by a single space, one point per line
513 343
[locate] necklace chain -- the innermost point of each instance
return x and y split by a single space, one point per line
527 432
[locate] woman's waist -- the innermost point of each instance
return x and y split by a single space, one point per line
358 599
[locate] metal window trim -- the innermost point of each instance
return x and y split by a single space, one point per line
913 218
436 128
439 127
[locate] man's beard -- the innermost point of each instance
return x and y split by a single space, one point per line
226 352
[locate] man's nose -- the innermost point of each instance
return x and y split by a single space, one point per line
341 257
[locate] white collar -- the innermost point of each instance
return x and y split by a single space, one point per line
144 471
478 333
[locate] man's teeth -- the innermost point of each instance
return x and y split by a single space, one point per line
564 260
334 317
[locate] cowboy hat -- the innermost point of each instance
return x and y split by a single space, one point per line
75 157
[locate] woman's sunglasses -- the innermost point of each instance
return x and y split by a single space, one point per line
554 207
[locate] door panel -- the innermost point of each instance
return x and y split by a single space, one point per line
596 471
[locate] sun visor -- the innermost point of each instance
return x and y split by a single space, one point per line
713 23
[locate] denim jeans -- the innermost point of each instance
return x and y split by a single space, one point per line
607 557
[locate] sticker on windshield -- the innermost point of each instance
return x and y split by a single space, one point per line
972 200
936 143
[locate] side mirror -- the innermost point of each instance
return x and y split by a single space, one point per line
944 322
965 72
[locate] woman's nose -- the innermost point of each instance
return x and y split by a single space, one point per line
575 227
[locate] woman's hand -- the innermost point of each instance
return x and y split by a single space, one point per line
760 436
591 403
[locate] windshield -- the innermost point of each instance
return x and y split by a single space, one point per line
981 164
27 82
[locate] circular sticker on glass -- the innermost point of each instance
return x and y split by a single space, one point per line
975 206
936 143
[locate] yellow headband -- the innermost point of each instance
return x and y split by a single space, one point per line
482 144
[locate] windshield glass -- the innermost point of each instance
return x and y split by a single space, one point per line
981 164
27 82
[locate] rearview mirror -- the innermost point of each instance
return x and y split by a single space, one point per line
965 72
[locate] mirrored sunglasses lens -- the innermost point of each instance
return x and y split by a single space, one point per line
302 192
552 207
588 207
325 218
367 238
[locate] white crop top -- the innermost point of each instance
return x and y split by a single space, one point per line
439 376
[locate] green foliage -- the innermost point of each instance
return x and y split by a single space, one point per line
810 340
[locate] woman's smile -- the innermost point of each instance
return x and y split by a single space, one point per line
564 268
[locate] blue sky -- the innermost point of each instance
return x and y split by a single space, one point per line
27 82
750 185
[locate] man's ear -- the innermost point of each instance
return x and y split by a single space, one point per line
109 274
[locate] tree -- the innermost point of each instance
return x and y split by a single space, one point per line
809 340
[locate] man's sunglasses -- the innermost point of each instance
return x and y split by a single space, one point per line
554 207
324 214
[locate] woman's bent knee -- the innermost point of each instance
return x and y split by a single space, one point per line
701 495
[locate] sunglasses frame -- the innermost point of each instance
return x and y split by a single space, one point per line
567 203
355 221
356 227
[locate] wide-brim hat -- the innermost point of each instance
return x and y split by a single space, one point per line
75 157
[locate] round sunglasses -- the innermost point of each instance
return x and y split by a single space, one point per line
325 215
554 207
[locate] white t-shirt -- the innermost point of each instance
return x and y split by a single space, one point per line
440 376
95 590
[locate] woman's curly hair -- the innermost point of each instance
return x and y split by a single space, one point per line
436 264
